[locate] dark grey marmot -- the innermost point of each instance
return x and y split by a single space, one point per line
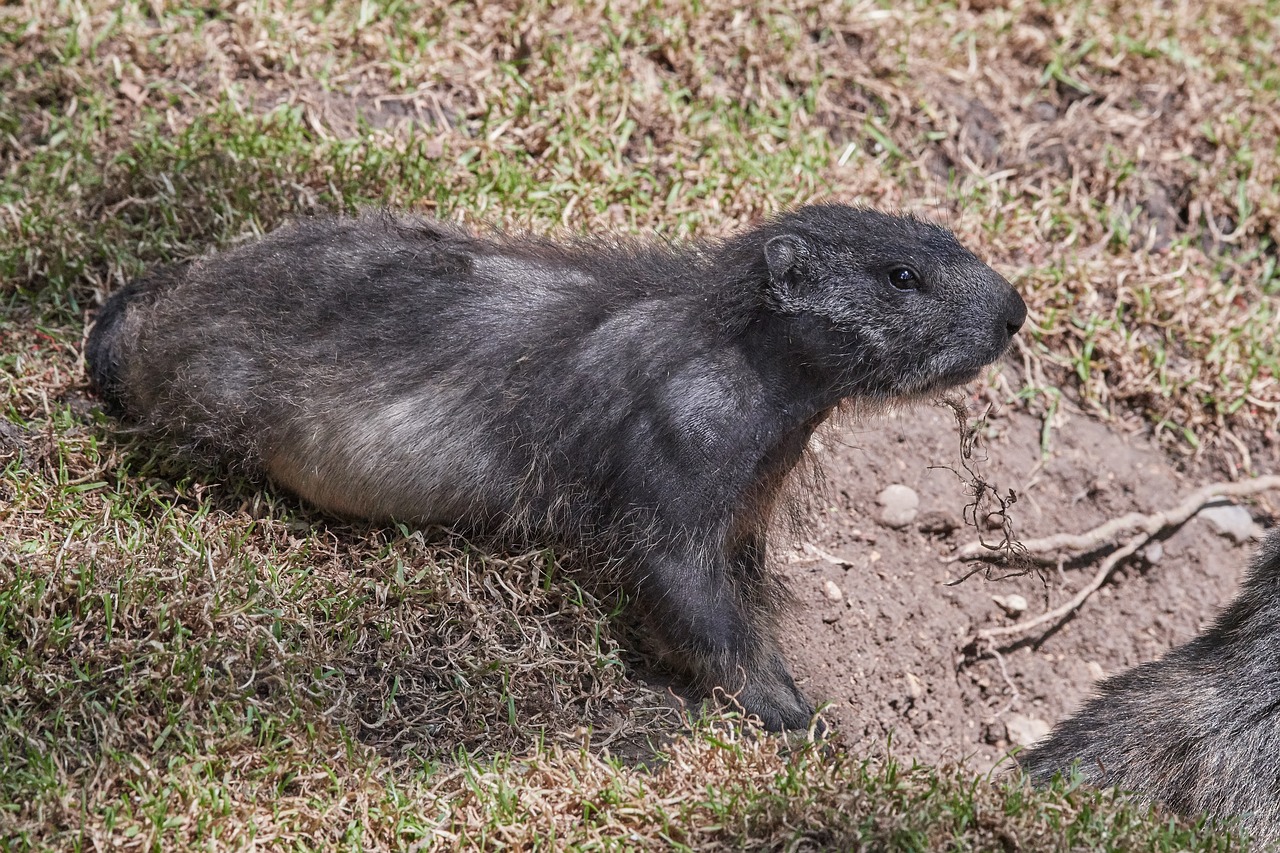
1197 731
643 403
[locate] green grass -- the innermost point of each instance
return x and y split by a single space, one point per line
190 662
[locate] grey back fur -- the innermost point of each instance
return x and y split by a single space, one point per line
1197 731
642 402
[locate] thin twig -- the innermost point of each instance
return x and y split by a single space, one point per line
1004 672
826 556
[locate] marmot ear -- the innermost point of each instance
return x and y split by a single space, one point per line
786 255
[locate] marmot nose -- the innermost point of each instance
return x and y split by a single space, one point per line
1015 313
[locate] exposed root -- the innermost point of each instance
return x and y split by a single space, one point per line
986 635
1051 550
1046 550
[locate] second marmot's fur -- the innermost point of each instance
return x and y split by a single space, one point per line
1197 731
642 402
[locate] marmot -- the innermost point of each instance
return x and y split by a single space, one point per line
642 403
1197 731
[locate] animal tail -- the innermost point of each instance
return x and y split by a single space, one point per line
104 351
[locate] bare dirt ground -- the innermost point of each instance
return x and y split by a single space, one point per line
889 655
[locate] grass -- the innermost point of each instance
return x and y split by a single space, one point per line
190 662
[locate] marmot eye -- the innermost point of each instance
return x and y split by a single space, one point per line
904 278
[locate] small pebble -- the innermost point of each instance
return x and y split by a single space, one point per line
1153 552
938 522
1095 670
914 688
1023 730
833 592
1231 521
1044 111
1012 604
899 505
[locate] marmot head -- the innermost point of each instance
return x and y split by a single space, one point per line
892 305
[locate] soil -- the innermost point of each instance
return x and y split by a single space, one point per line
889 655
